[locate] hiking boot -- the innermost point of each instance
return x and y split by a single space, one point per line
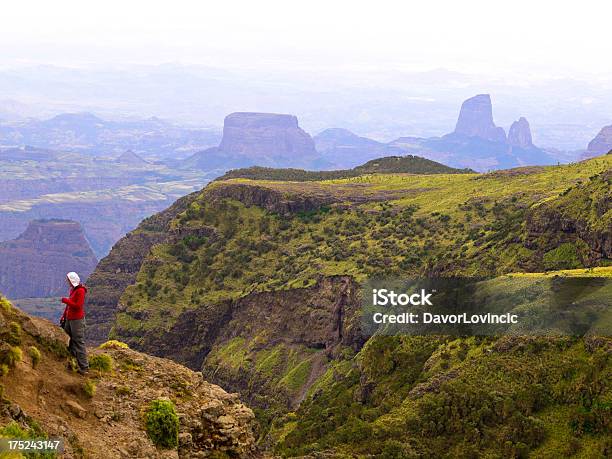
84 372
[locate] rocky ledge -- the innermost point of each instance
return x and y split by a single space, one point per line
107 419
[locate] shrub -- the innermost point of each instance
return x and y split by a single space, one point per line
14 337
13 356
14 431
35 355
162 423
101 362
89 387
124 390
4 369
113 344
5 304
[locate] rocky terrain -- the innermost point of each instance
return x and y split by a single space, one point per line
601 144
519 134
105 414
256 283
264 139
35 264
478 143
476 120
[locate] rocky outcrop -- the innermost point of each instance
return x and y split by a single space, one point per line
580 217
269 199
312 321
601 144
265 135
519 134
264 139
108 423
35 264
476 119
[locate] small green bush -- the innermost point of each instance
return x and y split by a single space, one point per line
89 387
13 356
14 337
101 362
14 431
4 369
35 355
113 344
5 304
162 423
124 390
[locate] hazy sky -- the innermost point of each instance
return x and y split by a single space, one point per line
498 37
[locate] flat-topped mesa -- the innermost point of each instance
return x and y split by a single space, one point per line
265 135
476 119
35 264
519 134
602 143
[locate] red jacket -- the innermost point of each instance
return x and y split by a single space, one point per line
74 303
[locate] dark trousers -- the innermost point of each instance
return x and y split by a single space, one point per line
76 330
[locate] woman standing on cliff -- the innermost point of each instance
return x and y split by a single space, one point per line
73 320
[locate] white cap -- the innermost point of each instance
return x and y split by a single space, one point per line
73 278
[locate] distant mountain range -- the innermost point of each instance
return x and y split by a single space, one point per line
275 140
341 148
87 133
107 196
80 166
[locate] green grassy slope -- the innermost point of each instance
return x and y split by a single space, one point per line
245 251
389 165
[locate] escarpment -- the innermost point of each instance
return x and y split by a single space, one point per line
311 322
257 283
270 199
580 221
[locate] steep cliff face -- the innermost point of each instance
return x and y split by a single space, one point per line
272 354
35 264
476 119
477 143
103 415
265 139
264 135
519 134
601 144
575 228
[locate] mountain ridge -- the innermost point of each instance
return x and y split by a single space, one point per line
255 283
